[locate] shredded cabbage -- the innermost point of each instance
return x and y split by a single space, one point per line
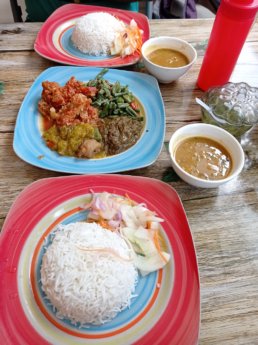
136 223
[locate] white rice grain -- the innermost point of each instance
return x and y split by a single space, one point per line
95 33
88 286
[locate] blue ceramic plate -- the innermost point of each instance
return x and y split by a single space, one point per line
29 145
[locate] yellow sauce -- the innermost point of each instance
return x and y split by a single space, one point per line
166 57
204 158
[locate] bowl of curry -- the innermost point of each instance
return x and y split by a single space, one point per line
168 58
205 155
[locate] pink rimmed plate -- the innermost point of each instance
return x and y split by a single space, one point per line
53 41
167 307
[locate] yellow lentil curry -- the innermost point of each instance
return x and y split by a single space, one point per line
167 57
204 158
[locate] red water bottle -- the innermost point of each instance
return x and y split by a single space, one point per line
233 21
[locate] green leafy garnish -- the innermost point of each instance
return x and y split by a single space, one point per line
1 87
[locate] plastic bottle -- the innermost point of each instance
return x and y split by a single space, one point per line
231 26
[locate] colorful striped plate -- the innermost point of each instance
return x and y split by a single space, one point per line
167 307
53 41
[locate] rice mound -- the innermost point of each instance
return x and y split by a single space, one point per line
84 285
95 33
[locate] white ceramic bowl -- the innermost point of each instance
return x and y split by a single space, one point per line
213 132
167 74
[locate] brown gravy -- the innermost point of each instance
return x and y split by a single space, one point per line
166 57
204 158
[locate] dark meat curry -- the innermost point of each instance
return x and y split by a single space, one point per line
120 133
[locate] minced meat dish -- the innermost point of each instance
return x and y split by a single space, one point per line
120 133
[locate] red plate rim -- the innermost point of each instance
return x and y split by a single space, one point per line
44 42
179 324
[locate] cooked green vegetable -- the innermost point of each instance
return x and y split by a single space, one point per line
112 99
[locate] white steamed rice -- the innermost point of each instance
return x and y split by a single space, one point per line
87 286
95 32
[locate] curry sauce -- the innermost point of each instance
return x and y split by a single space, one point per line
167 57
203 158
